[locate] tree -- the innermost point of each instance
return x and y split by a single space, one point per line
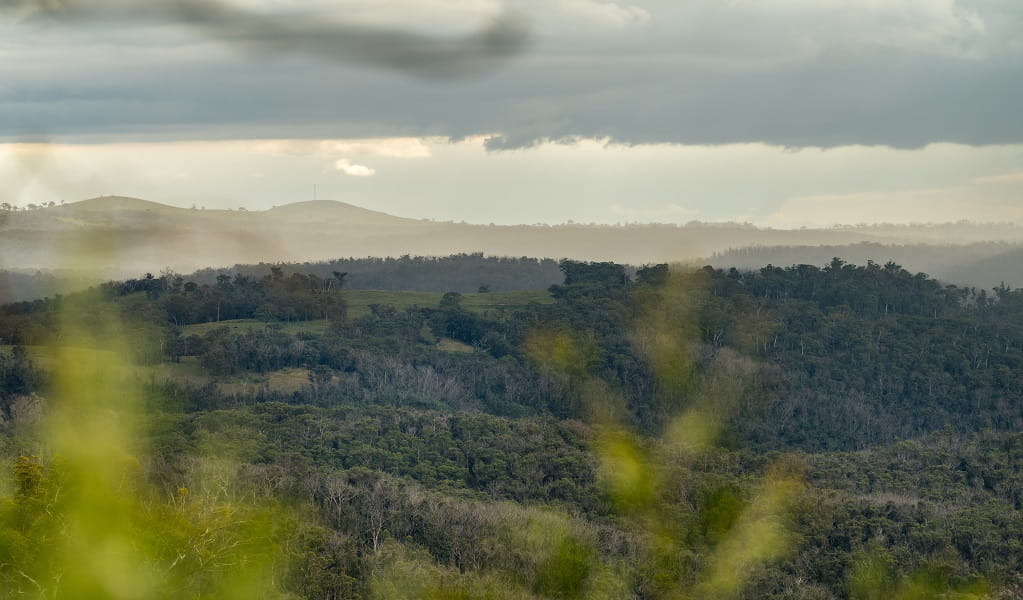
337 281
451 300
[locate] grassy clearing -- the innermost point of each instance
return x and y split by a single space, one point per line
450 345
245 325
505 300
49 358
187 370
359 301
286 381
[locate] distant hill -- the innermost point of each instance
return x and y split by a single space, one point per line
331 211
106 204
120 236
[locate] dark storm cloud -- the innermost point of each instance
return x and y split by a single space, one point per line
903 83
311 35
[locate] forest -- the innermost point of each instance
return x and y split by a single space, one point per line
456 273
803 432
982 264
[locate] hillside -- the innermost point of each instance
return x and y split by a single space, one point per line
615 436
330 212
126 235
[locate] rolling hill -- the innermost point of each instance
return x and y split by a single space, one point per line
116 236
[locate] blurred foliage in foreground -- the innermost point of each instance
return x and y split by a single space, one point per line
612 444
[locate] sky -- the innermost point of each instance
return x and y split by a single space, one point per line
783 113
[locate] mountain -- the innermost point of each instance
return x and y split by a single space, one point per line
331 211
120 236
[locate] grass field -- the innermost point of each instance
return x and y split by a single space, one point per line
359 302
49 358
243 325
286 381
187 370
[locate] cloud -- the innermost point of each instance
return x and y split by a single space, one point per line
1015 177
405 147
302 34
954 27
348 168
604 13
670 213
936 205
797 73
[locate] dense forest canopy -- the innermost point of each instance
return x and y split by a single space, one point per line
463 273
790 432
980 264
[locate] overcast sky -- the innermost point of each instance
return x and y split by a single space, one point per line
779 112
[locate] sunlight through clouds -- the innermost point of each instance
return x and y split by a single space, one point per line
348 168
588 181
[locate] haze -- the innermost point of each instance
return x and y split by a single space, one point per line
782 113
